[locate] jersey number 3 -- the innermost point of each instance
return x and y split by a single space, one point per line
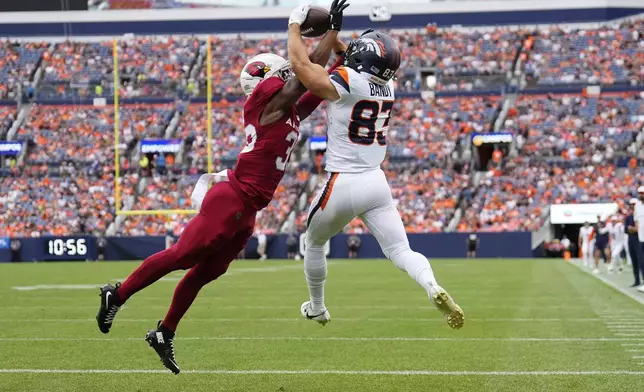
280 163
368 122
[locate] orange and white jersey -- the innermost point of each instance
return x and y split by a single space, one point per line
357 122
587 234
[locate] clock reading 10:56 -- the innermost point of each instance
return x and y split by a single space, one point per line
67 247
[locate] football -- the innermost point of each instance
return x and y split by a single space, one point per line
317 22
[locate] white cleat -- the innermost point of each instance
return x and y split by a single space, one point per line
596 271
321 316
641 289
445 304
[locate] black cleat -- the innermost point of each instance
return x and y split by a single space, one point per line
110 304
162 341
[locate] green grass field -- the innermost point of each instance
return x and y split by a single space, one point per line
531 325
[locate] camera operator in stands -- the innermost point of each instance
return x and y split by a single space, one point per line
353 242
472 243
15 250
292 242
101 244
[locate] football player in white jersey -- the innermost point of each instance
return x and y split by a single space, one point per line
617 241
585 244
360 96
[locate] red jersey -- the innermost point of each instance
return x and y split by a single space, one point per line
261 164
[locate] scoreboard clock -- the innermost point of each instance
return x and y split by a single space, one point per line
69 248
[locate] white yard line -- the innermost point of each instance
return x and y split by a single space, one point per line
338 372
299 319
625 326
170 278
57 287
341 339
140 301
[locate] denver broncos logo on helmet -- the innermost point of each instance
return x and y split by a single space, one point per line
257 69
372 45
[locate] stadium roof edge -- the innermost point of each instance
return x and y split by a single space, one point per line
233 21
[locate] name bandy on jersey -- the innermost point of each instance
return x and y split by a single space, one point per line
379 91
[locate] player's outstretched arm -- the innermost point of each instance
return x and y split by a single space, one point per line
309 102
313 76
294 89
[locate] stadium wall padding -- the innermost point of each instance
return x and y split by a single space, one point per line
432 245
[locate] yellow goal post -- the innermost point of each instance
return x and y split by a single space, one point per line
117 157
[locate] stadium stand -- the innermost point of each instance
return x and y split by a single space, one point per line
558 136
18 63
605 55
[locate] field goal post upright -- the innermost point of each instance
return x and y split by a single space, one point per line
117 154
209 102
117 163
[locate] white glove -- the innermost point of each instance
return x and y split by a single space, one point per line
298 15
203 186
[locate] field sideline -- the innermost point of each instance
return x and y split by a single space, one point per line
530 325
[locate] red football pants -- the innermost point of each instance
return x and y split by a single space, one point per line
208 244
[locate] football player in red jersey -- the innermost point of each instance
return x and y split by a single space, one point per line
275 106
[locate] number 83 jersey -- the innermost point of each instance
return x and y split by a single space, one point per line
357 122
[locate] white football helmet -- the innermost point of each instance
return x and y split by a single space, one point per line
260 67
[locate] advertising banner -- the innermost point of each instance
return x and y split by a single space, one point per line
11 148
149 146
580 213
317 143
479 139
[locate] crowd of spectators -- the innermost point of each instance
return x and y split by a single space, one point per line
18 62
86 133
577 128
429 131
604 55
564 145
426 198
516 198
148 66
155 66
34 204
227 125
162 192
7 117
453 51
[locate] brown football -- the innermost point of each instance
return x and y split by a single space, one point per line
317 22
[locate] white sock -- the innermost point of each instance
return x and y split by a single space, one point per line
416 265
315 271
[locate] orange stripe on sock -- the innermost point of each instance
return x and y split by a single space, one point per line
330 189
